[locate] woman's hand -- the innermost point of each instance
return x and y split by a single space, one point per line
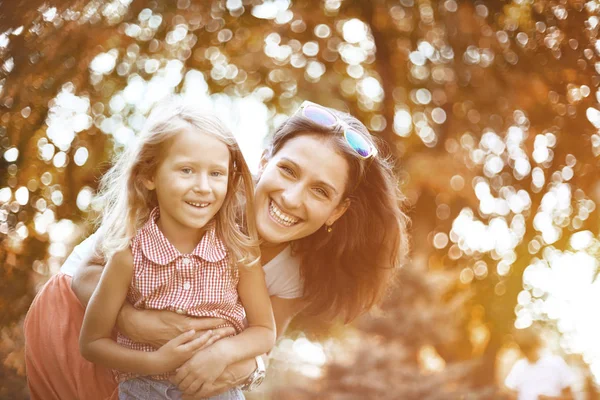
158 327
234 375
202 368
223 384
179 350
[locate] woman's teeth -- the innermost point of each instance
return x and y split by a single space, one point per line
280 216
201 205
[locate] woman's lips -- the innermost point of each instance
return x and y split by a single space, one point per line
280 216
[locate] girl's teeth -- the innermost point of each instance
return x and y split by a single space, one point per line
202 205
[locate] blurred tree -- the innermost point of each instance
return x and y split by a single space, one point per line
490 106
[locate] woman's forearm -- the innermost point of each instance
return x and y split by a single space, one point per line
234 375
131 322
252 342
238 373
156 328
85 281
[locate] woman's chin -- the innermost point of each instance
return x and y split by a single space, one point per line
272 232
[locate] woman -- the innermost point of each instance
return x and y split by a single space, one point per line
328 212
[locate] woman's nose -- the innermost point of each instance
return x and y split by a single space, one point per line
291 198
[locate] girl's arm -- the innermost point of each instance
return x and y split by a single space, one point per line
235 374
95 342
144 326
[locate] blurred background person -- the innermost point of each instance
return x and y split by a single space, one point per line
490 107
540 375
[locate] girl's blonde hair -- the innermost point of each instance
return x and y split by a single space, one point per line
126 203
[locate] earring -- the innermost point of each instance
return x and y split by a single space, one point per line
329 228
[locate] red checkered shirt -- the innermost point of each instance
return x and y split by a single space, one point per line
200 284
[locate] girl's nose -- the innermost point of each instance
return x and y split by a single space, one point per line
202 184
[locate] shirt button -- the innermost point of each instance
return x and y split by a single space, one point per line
187 286
180 311
187 261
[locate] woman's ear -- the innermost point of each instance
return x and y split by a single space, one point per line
338 212
149 183
264 160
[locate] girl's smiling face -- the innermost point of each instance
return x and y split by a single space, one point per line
190 181
300 188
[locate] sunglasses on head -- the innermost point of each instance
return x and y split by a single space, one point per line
357 141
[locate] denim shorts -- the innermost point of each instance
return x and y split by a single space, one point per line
148 389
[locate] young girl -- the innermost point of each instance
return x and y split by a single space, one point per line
174 243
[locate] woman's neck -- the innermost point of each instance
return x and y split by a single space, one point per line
269 251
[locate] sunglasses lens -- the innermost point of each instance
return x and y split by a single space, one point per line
358 143
319 115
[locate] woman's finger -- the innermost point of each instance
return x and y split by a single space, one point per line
224 332
210 341
200 342
204 323
193 388
183 338
201 392
187 382
179 376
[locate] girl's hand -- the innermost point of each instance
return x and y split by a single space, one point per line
158 327
179 350
202 368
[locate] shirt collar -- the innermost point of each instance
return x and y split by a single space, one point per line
157 248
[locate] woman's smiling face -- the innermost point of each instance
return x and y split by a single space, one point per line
300 188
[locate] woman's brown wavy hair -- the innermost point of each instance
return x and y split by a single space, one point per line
346 271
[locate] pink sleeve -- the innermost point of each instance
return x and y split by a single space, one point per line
55 369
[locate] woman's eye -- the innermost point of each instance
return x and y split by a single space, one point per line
321 192
286 170
216 174
186 170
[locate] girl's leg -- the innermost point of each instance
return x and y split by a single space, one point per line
233 394
148 389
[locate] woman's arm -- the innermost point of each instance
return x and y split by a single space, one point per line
144 326
236 374
156 328
257 338
96 343
285 310
84 282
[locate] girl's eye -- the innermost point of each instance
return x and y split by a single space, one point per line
216 174
186 170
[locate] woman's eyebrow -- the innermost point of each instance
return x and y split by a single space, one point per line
320 182
328 185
